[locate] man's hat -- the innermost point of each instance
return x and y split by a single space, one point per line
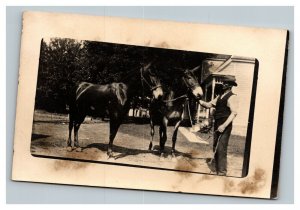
228 79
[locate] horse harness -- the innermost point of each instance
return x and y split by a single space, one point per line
143 79
186 104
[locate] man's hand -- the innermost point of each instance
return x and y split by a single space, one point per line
204 104
210 104
221 128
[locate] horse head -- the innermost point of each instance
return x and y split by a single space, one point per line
191 82
150 78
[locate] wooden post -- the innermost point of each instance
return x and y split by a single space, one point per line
213 88
213 85
198 113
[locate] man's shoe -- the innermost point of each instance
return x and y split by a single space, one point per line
221 173
211 164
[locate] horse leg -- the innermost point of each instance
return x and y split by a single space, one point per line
76 128
152 134
76 142
174 138
161 146
113 129
69 142
163 135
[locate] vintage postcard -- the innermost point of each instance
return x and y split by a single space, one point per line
151 105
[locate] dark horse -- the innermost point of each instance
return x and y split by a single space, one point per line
111 100
172 106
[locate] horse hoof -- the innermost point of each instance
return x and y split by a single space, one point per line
69 149
173 157
78 149
161 156
109 155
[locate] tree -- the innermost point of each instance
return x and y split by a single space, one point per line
66 62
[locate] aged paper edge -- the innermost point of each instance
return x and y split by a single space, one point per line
163 190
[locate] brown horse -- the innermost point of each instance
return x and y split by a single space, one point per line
111 100
171 108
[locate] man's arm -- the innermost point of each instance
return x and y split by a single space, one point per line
210 104
233 105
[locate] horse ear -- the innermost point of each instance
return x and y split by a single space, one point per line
195 69
148 65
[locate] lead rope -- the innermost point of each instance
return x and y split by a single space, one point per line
175 99
189 111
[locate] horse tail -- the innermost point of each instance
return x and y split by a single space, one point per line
120 90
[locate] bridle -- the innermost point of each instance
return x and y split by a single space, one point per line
188 85
184 96
143 79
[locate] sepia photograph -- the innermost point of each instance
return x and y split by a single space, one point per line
123 103
144 107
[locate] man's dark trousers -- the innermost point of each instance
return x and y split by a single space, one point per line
221 153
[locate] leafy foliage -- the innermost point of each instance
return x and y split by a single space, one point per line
66 62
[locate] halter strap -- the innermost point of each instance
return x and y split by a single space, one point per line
175 99
143 79
187 85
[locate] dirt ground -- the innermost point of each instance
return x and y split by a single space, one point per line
50 133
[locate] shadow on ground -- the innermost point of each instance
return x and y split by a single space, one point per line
124 152
35 136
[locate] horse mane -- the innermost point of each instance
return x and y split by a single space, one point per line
120 89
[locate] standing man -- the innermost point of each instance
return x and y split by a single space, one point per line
226 110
